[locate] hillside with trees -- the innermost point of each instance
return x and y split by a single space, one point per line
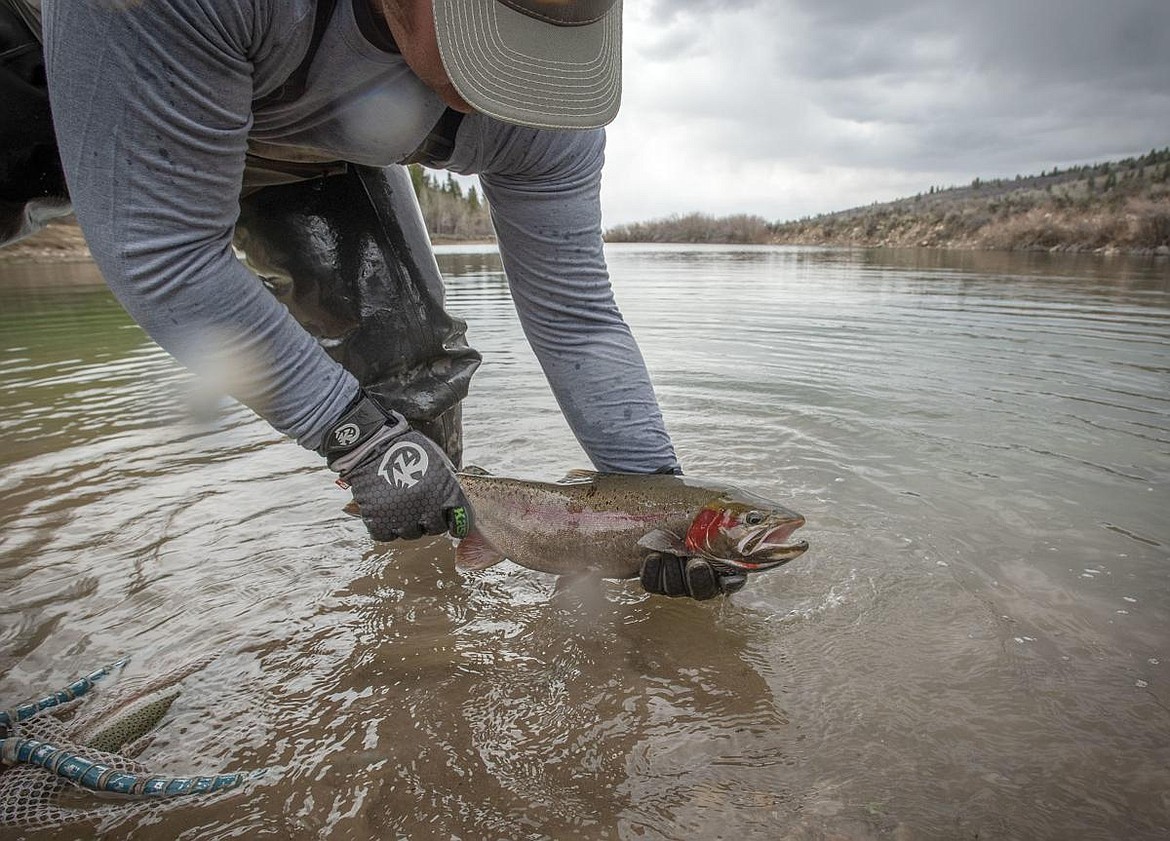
1116 206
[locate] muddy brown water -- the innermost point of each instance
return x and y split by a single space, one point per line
977 645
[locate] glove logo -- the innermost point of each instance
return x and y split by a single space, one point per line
404 465
346 434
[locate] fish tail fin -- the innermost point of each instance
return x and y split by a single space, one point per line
474 552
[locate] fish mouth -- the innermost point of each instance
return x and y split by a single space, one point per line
768 548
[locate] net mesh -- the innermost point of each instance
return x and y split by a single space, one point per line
32 797
107 725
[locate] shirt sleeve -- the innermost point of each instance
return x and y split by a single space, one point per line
152 108
543 189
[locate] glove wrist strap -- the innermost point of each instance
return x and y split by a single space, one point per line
356 426
374 444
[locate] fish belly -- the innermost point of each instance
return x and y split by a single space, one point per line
575 529
566 551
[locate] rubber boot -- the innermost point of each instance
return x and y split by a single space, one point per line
32 186
349 256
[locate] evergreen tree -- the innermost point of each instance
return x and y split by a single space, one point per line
446 211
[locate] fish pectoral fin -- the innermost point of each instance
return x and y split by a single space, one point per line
660 540
474 552
576 476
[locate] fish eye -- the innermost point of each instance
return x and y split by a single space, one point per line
754 518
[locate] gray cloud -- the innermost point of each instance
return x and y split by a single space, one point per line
930 73
912 92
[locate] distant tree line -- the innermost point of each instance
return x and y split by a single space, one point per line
1121 205
448 211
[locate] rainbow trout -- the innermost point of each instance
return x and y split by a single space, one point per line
604 524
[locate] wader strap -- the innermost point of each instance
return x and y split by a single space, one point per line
294 85
29 15
284 172
261 172
438 146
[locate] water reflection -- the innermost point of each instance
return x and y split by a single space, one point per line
975 644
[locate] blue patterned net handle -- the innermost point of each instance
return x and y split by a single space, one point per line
54 699
97 777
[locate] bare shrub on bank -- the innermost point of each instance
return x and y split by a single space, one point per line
740 228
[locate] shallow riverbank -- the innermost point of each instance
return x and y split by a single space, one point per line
62 242
1130 225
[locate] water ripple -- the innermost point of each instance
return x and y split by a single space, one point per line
974 644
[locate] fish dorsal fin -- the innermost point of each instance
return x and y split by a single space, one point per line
474 552
663 541
577 476
474 470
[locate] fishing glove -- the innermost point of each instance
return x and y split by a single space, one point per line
401 480
670 575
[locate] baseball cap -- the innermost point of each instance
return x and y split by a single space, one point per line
543 63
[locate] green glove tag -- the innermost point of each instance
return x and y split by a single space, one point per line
459 522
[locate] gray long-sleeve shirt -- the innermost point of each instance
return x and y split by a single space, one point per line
154 109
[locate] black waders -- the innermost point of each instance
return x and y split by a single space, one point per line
350 257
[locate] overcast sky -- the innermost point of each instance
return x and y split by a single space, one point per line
786 108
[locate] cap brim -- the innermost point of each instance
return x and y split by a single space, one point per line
521 70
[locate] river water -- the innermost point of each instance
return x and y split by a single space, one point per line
977 645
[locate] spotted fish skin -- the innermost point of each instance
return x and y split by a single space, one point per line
130 723
604 524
